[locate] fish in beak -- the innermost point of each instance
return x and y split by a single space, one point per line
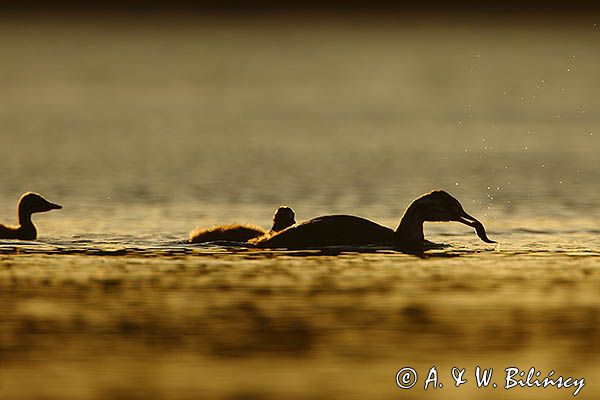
472 222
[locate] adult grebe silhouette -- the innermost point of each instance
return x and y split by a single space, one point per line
283 218
340 230
28 204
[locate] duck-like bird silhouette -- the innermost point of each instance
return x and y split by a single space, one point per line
28 204
349 230
283 218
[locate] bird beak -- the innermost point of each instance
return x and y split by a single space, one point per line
54 206
472 222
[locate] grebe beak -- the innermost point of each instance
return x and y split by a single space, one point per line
474 223
54 206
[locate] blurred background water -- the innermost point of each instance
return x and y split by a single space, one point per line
157 126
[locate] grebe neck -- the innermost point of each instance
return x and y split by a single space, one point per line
410 229
25 218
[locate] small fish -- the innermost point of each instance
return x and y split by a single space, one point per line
481 232
474 223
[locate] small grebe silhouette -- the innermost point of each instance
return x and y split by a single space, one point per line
343 230
283 218
28 204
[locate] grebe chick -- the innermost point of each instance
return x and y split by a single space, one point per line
29 203
283 218
347 230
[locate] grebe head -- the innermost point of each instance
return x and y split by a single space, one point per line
441 206
34 203
283 218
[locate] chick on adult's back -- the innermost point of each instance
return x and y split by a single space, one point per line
283 218
350 230
29 203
